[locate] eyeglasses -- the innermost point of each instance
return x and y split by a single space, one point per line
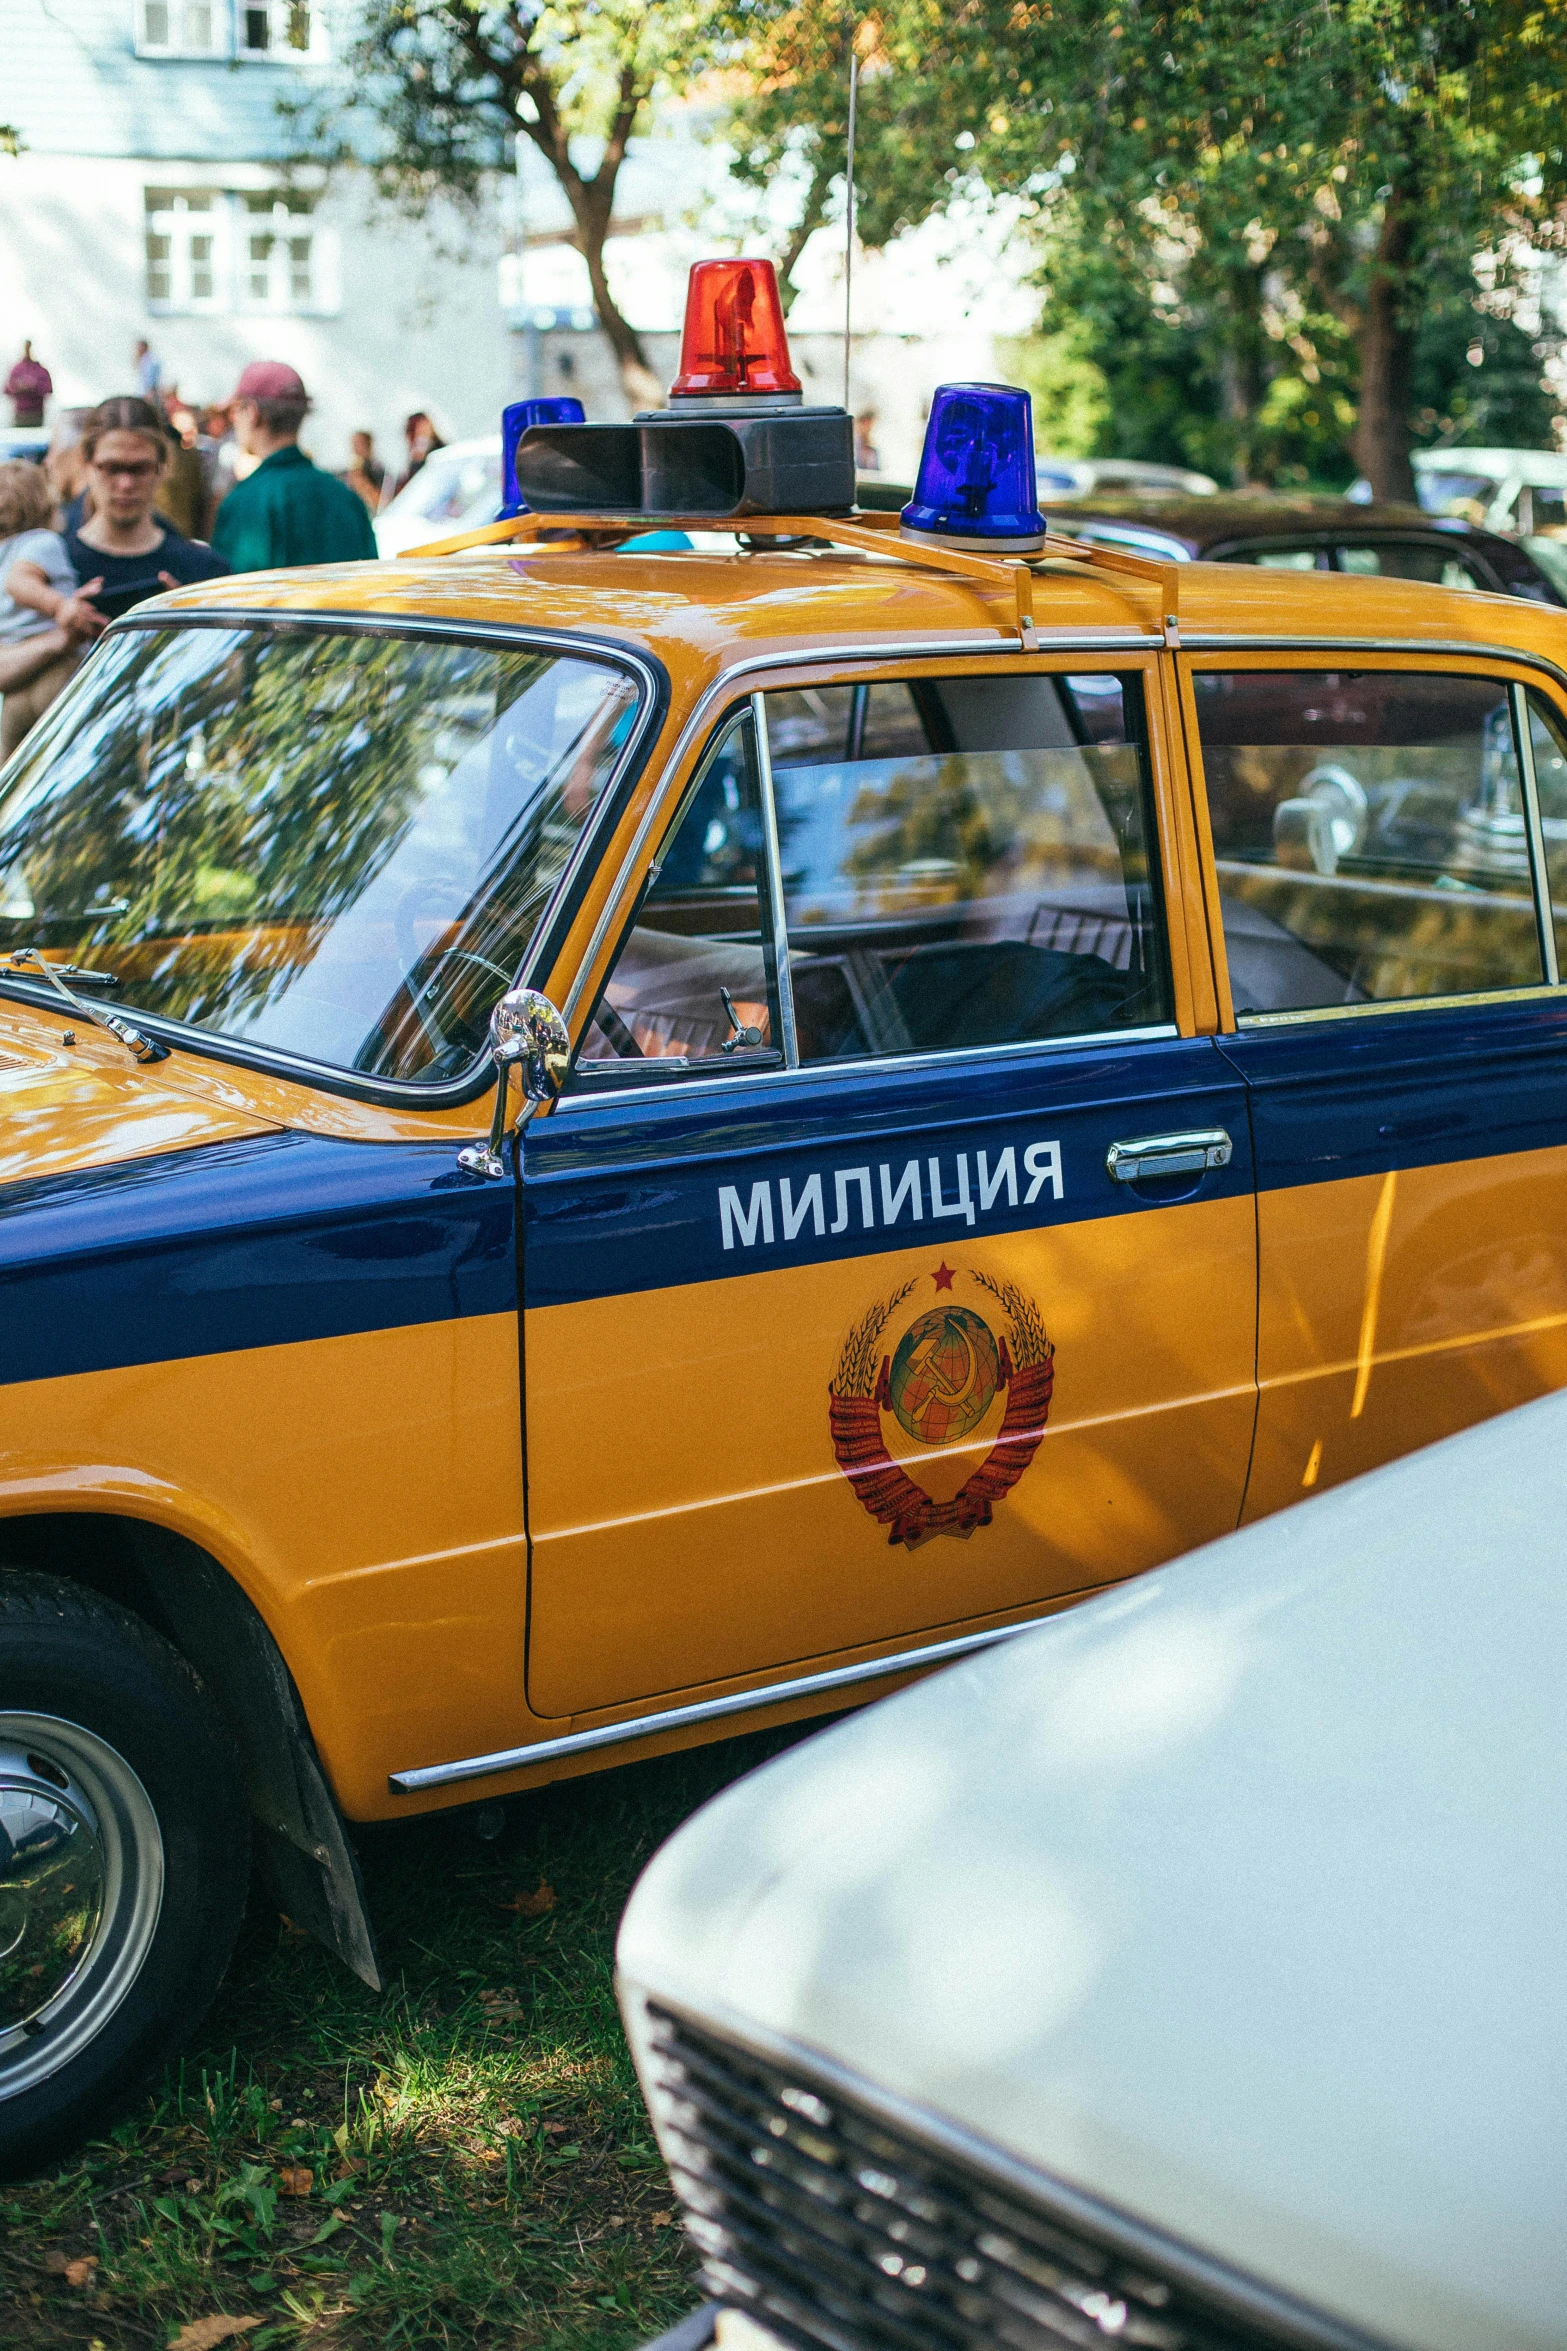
130 473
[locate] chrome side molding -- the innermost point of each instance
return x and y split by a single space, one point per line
674 1718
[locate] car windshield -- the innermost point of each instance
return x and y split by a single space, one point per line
1439 492
330 845
449 485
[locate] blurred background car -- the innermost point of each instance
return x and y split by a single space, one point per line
1523 490
1183 1972
1091 477
1322 534
28 442
457 488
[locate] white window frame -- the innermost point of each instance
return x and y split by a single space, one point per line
232 224
325 295
177 14
172 220
280 49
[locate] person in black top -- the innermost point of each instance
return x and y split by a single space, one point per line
123 553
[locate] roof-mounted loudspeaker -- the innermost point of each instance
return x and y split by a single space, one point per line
782 461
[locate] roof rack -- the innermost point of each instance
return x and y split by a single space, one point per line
870 533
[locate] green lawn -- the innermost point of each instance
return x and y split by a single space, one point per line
480 2166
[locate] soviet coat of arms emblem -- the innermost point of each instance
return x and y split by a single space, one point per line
936 1371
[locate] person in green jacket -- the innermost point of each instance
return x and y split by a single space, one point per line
288 511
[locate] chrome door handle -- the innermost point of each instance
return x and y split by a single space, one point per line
1166 1155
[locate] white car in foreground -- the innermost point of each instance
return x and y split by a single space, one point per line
1186 1972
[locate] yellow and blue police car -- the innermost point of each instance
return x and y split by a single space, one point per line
607 1138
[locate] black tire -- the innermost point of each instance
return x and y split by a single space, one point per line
124 1861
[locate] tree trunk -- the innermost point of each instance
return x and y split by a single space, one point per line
592 209
1381 438
641 385
812 213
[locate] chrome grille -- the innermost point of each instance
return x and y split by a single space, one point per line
834 2229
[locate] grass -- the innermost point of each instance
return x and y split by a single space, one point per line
462 2160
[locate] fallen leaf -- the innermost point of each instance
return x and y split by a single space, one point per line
533 1905
55 2260
295 1934
662 2220
203 2334
296 2179
79 2273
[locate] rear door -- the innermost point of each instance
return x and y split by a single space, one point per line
1380 849
890 1267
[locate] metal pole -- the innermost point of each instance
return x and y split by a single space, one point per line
848 248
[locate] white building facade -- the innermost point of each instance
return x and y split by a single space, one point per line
152 198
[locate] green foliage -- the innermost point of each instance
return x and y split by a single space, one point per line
1271 191
446 87
1074 412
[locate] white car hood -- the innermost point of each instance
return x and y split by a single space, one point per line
1237 1898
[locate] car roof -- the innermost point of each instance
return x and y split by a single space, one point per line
1200 523
1498 465
486 445
703 609
1235 1897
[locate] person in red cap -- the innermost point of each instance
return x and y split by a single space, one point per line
288 511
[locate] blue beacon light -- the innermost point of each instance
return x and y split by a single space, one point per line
515 421
976 485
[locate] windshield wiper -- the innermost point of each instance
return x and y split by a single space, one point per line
140 1047
78 974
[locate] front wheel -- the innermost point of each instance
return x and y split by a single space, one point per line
124 1858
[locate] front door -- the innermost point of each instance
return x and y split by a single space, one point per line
1378 838
867 1293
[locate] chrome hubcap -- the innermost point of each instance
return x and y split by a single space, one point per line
81 1886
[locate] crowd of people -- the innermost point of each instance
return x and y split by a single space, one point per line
144 493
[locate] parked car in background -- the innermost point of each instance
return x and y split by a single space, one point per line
1092 477
1322 534
457 488
30 442
1182 1973
1522 490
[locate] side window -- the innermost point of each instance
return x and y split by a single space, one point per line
1281 558
1370 834
694 987
966 862
1412 559
1548 743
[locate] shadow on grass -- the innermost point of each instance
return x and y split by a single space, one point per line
461 2160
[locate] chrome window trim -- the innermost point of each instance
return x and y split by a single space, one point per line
1249 2299
939 1057
325 1077
1541 992
778 915
1103 641
675 1718
1219 641
1545 912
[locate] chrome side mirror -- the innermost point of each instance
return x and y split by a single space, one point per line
526 1033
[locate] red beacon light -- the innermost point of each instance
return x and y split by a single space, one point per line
734 347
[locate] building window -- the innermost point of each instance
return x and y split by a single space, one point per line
183 28
219 249
279 28
187 257
279 264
